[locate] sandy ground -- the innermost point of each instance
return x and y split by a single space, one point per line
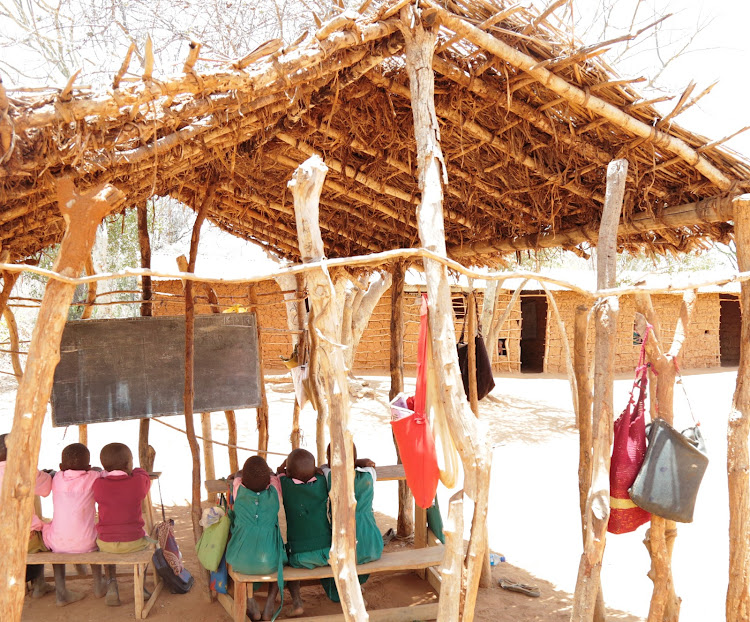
533 519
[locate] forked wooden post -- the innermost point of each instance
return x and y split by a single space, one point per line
82 214
405 523
464 426
588 584
306 185
738 429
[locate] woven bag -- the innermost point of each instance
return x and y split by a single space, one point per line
628 452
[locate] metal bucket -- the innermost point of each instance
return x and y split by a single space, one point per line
667 484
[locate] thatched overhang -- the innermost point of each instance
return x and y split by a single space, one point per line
528 119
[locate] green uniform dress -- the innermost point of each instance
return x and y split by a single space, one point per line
308 530
255 546
369 540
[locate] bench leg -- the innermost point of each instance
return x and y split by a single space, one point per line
240 601
138 584
154 594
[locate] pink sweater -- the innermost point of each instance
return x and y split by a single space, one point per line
73 526
42 488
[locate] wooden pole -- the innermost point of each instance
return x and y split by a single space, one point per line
660 537
234 464
90 289
470 440
485 580
584 424
738 456
262 410
82 214
208 446
144 244
15 357
449 605
306 185
189 394
405 523
588 584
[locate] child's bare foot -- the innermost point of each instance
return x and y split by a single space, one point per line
253 610
67 597
112 599
297 610
41 588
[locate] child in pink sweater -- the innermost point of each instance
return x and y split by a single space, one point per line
73 525
42 487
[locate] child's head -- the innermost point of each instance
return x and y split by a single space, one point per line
116 457
256 475
300 465
75 457
3 448
328 453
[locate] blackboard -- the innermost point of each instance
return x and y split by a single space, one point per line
132 368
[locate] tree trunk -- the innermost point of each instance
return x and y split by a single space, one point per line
90 289
306 184
588 584
470 442
15 357
82 214
145 246
362 312
405 524
738 458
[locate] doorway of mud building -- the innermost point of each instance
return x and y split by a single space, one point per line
730 330
533 331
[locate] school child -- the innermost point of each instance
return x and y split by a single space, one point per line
308 530
73 529
42 487
255 546
119 496
369 539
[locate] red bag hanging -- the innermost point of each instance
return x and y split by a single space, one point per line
412 432
628 451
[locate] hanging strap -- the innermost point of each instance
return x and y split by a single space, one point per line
421 392
682 384
161 501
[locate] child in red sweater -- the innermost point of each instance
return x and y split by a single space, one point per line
119 496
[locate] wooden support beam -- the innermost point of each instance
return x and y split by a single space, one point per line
82 213
665 604
15 345
470 441
717 209
306 185
480 133
405 523
578 96
208 446
449 605
90 289
738 456
144 243
567 357
261 413
189 394
588 584
234 464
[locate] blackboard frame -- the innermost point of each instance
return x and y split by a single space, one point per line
134 368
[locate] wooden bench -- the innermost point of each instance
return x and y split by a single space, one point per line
139 560
385 474
410 559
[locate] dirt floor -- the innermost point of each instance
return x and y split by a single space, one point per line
533 520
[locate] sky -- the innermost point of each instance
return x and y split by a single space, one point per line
721 51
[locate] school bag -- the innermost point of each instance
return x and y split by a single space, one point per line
167 558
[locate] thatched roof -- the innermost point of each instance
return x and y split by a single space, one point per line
529 122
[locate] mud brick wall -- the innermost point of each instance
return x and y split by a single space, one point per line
373 354
701 347
169 300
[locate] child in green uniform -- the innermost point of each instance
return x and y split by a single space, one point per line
255 546
369 540
308 530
